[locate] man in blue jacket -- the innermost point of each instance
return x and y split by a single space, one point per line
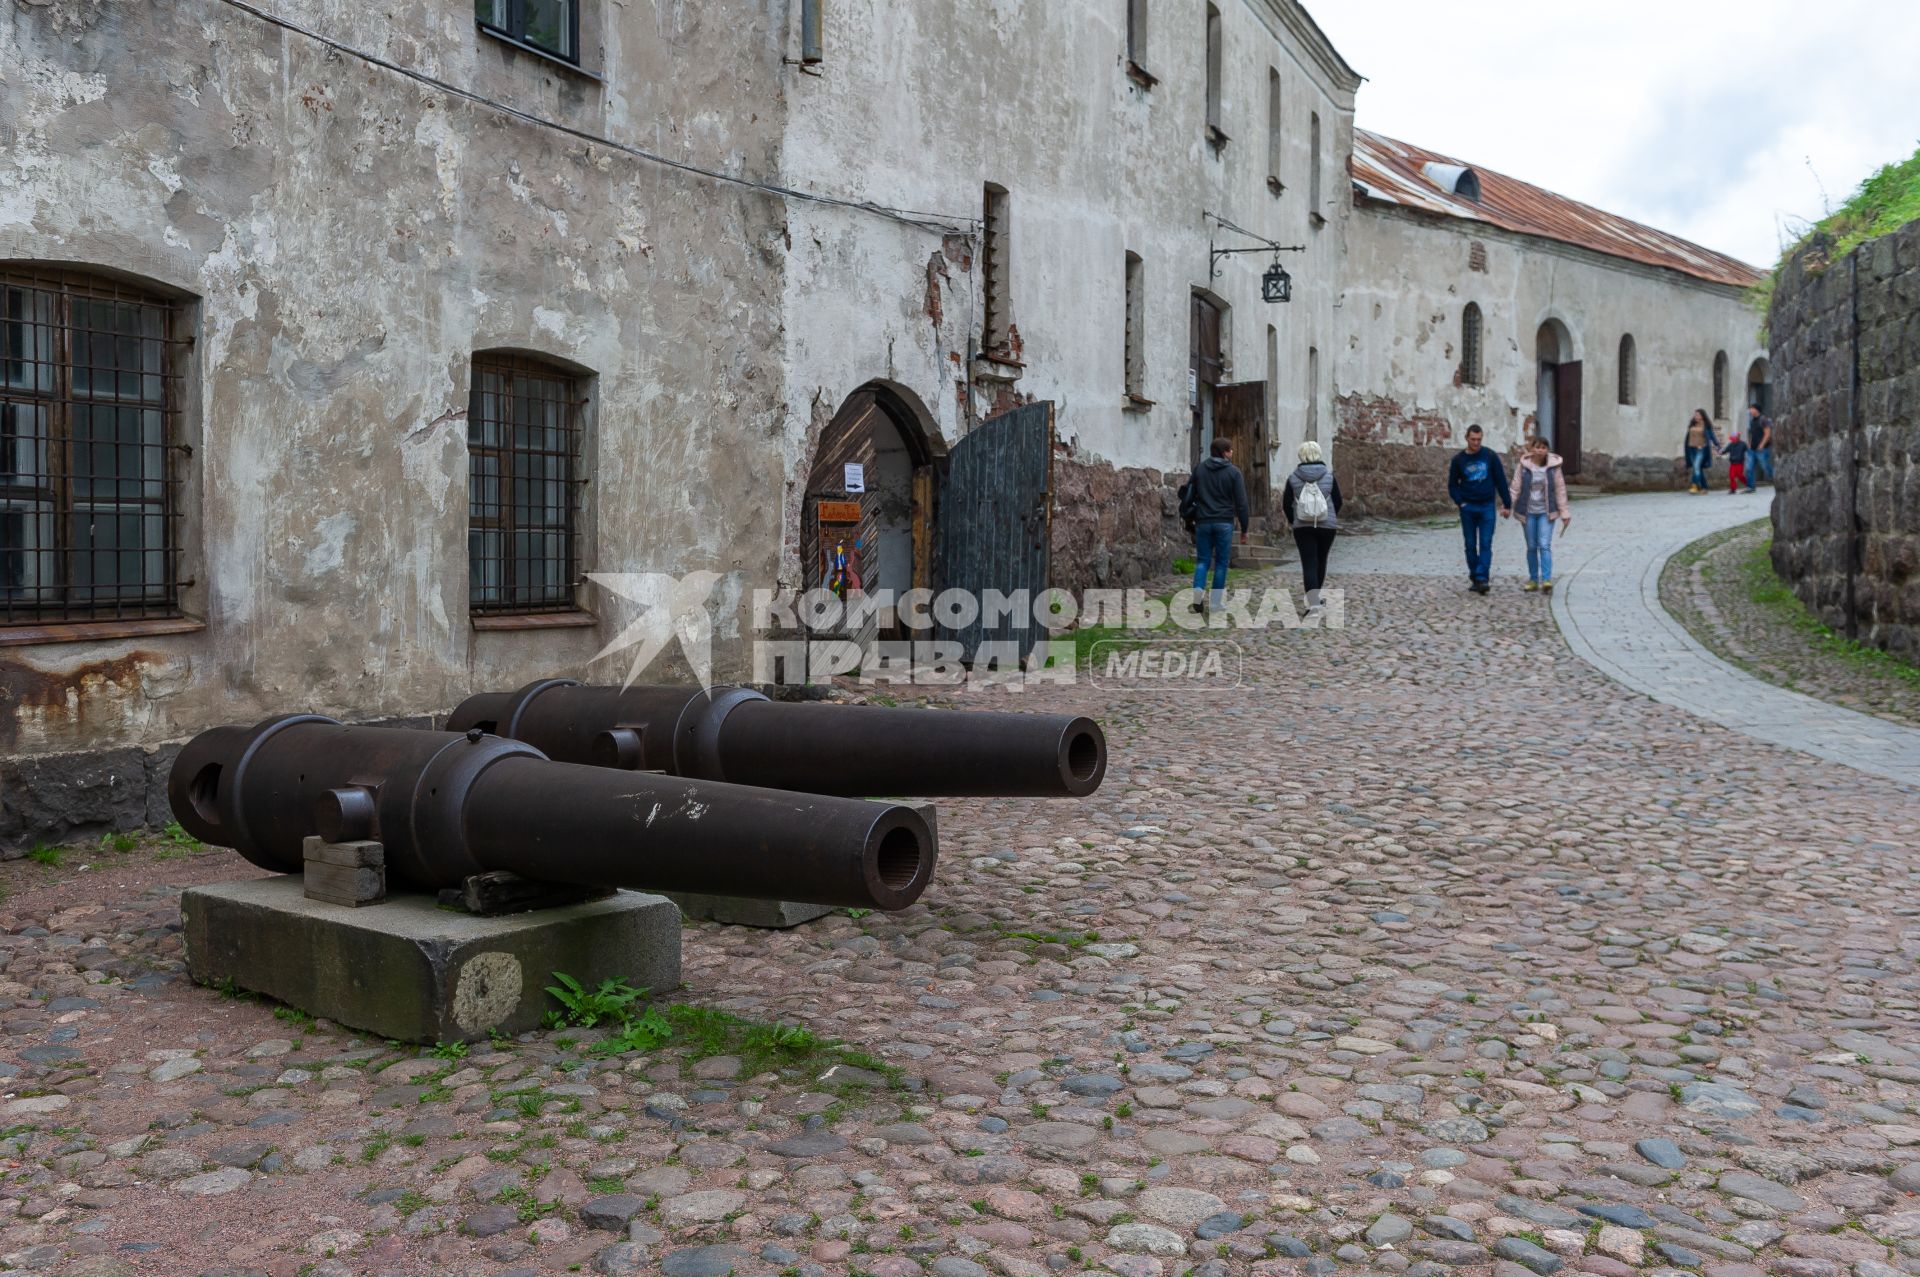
1475 481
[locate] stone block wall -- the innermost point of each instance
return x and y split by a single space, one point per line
77 798
1112 528
1846 363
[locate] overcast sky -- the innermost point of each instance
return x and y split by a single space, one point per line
1707 118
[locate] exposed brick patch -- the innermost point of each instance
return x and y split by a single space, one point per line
1377 419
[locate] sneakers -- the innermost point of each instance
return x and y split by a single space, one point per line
1693 487
1546 587
1480 587
1532 586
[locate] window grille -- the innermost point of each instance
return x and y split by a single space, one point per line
90 483
523 491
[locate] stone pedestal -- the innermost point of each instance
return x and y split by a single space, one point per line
409 970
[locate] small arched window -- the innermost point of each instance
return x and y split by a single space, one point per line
1720 386
1627 369
1472 371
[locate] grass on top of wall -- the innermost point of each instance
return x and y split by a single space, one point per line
1884 202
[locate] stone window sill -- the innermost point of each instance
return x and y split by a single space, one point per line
1135 403
535 51
97 631
1217 137
989 367
1140 75
1275 185
537 621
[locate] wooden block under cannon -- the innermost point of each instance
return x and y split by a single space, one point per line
345 873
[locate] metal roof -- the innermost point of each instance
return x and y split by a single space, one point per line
1390 172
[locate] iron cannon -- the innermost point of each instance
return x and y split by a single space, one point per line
449 805
736 734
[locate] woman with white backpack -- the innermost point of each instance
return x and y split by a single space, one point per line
1312 505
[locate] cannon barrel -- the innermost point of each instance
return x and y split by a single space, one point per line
447 805
736 734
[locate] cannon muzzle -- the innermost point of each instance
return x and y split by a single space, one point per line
736 734
448 805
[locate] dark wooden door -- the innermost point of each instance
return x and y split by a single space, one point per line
996 520
1566 415
1240 414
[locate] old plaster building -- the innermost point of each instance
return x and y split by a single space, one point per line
338 346
1474 298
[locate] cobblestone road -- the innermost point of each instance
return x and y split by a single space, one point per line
1428 950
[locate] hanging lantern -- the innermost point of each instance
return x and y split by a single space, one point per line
1276 285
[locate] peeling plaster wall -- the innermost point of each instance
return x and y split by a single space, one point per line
347 238
919 105
1410 279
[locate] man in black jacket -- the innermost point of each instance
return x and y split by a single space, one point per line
1216 498
1475 480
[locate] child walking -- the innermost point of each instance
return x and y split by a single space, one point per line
1736 453
1540 497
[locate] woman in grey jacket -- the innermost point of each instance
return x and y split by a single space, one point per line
1315 519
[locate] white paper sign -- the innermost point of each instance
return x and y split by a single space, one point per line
856 477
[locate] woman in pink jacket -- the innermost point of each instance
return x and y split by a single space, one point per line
1540 497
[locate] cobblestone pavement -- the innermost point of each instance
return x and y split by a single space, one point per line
1709 595
1427 950
1607 604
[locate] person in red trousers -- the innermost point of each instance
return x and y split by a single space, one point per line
1736 451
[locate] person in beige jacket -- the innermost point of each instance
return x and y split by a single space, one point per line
1539 498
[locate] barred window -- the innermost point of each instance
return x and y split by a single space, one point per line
1627 370
89 435
1472 373
523 488
1720 386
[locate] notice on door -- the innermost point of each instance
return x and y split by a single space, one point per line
856 477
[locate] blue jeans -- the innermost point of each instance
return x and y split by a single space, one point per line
1759 465
1476 525
1212 544
1539 547
1698 459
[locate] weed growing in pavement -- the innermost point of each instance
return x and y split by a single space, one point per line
588 1008
118 842
377 1143
176 842
41 853
449 1050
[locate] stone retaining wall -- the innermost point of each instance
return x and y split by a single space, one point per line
1846 367
1112 528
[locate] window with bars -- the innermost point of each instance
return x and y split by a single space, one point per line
89 436
996 273
1136 319
550 26
1720 386
1627 370
1472 370
524 427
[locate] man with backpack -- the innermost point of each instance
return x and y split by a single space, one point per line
1475 481
1210 502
